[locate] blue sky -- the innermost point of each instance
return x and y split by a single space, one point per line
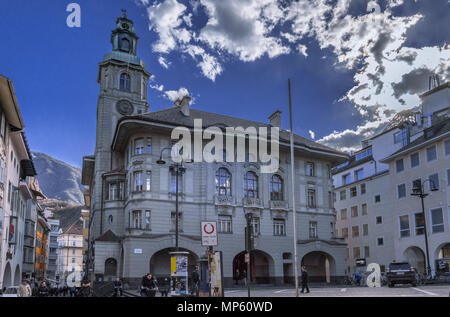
351 69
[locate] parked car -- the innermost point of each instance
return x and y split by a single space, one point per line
401 273
11 291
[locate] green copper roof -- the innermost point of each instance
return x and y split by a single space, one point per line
124 57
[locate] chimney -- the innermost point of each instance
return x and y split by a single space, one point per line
275 119
184 103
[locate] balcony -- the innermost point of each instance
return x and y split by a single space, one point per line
220 200
252 202
278 205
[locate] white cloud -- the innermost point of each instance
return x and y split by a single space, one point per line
209 65
157 87
173 95
312 134
163 62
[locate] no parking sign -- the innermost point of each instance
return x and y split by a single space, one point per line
209 233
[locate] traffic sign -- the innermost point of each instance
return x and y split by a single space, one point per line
209 233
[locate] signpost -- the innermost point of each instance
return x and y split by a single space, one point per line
209 233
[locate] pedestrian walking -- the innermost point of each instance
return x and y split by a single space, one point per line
195 278
118 288
85 289
305 280
244 276
236 276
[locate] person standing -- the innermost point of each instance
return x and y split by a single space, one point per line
24 289
305 280
164 287
43 290
118 288
244 276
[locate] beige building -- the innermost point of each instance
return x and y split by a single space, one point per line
70 253
376 213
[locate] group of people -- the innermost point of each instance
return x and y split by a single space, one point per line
42 289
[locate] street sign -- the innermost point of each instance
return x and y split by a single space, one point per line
209 233
247 258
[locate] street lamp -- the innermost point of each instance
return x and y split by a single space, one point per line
249 246
178 169
418 190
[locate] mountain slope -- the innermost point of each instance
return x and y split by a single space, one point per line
57 179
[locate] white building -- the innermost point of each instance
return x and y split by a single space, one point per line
373 188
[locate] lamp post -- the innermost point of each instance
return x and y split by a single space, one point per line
419 191
178 169
249 245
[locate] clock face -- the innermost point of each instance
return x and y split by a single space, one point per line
125 108
125 26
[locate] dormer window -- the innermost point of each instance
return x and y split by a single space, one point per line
125 82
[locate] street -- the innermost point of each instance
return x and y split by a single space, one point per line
398 291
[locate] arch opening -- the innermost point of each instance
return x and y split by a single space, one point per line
321 267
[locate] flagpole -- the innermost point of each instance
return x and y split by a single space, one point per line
294 212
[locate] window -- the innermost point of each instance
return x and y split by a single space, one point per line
225 224
138 182
136 219
401 137
448 177
366 252
356 253
73 252
139 146
276 188
419 222
447 147
380 241
399 165
149 146
431 153
364 209
353 192
354 211
365 229
359 174
355 231
343 214
434 181
309 169
147 220
113 191
173 183
256 226
251 185
379 220
417 184
363 189
344 232
311 198
345 179
377 198
437 220
342 195
110 219
73 260
125 82
415 161
223 182
279 227
313 230
148 181
401 191
173 221
404 226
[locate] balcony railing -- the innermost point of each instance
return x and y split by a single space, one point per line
252 202
278 205
220 200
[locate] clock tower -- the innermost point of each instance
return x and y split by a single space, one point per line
123 80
